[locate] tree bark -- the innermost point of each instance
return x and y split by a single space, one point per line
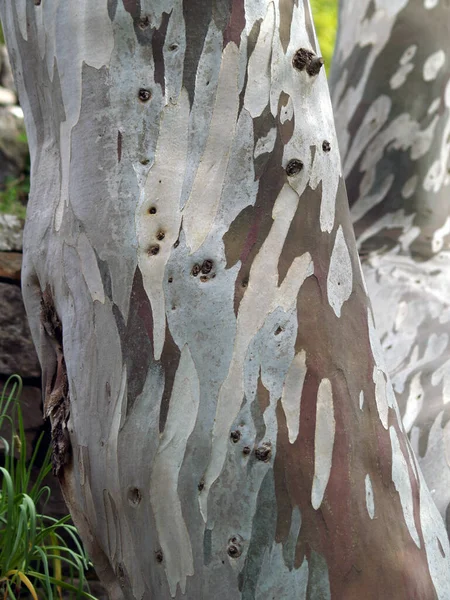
390 85
223 425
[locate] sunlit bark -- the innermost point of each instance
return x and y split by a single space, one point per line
223 426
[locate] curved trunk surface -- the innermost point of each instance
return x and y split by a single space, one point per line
390 85
223 424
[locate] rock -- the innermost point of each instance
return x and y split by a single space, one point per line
17 353
7 97
11 233
6 76
10 265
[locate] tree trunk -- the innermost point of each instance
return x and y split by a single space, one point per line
391 92
223 426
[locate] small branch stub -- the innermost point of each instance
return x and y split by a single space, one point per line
306 60
326 146
293 167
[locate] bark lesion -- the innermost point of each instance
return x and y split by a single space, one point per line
56 385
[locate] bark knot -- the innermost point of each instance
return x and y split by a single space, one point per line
56 385
144 95
306 60
293 167
264 452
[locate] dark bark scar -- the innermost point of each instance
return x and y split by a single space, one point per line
56 392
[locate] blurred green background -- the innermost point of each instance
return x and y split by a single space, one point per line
325 20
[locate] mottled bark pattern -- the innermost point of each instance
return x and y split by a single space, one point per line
391 93
233 432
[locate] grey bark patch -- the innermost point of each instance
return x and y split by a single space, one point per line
309 25
263 534
318 582
112 8
56 392
158 40
207 546
197 16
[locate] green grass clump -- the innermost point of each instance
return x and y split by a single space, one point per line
325 21
37 559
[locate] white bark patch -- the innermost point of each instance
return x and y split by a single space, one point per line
292 393
374 119
340 275
166 504
447 94
313 116
366 202
88 41
414 403
254 308
379 379
202 205
370 502
433 65
400 76
408 54
423 140
436 542
402 482
430 4
323 442
439 236
162 191
266 143
206 81
410 186
443 374
89 266
174 58
434 106
21 8
258 87
361 399
287 111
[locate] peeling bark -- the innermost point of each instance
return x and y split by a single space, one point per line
215 326
390 86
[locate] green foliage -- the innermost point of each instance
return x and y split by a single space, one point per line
14 195
325 21
35 549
